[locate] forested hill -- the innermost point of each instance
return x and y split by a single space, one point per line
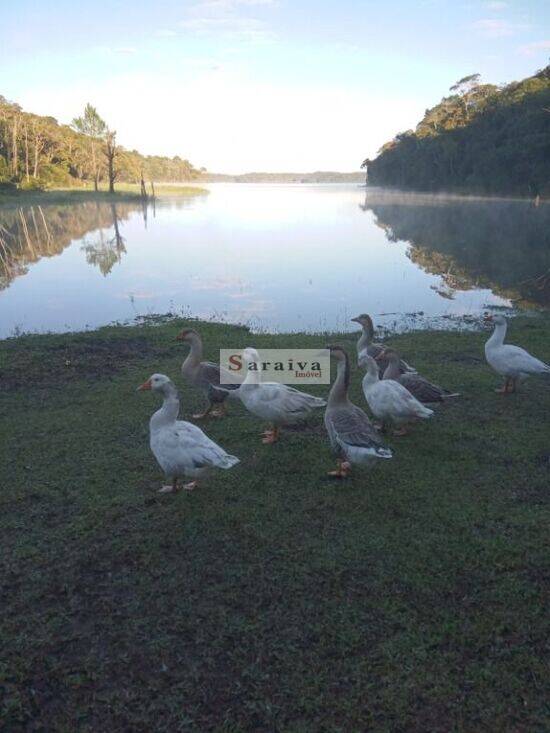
482 138
37 151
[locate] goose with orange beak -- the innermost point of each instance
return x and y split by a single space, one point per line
512 362
352 436
366 345
207 376
181 448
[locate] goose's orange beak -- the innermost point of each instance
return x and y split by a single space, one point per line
487 317
380 356
181 336
145 386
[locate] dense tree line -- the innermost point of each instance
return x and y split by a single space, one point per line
37 152
481 138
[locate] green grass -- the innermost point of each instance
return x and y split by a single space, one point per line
413 597
124 192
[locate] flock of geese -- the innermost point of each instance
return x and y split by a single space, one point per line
396 394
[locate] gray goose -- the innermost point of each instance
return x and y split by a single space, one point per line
366 346
424 391
352 436
205 375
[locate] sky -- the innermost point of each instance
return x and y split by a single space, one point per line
261 85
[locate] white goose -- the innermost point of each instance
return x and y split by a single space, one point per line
277 403
512 362
390 401
181 448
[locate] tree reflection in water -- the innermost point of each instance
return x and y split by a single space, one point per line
27 234
105 252
503 245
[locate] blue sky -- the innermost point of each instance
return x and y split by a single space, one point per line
241 85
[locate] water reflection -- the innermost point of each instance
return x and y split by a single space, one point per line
28 234
471 243
105 251
281 258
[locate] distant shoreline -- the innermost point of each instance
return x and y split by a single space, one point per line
126 192
265 177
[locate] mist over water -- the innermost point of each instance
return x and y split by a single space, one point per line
276 257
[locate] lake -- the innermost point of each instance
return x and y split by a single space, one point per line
276 257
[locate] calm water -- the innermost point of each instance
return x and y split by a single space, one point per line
275 257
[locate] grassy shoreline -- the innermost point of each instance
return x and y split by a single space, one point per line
410 598
124 192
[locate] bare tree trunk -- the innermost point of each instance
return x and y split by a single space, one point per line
27 152
95 170
111 153
14 145
36 156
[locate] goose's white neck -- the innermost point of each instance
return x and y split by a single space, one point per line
498 335
253 376
371 375
169 411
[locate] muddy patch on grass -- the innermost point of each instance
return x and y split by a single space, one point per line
54 364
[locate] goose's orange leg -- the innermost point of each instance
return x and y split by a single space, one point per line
204 414
271 436
220 411
343 470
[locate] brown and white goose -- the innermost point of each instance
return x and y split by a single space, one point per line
365 345
424 391
352 436
205 375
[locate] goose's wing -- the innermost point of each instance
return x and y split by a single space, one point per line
519 360
189 441
398 401
211 377
422 389
292 400
351 427
374 350
211 373
295 398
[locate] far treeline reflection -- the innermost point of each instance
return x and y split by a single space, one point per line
498 244
502 245
29 233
